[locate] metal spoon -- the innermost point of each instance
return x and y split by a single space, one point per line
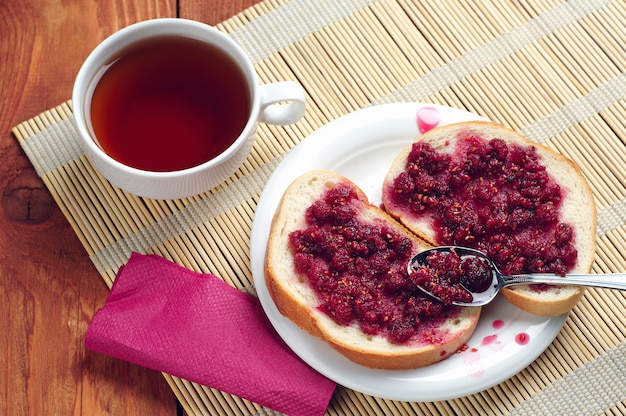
500 281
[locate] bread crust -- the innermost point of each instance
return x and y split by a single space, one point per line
578 209
296 300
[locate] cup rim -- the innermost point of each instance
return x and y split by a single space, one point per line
143 30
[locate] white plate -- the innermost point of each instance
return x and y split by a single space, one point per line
361 146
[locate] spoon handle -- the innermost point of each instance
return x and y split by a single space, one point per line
606 281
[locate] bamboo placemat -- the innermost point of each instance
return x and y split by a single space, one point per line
553 70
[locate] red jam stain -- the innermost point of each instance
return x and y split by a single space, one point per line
490 339
498 324
522 338
492 196
427 119
358 271
462 348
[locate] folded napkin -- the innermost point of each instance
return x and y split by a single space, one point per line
196 327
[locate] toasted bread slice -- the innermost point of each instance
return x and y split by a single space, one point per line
295 297
577 209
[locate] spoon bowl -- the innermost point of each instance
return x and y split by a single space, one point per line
453 280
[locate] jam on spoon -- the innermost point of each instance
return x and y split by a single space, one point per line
463 276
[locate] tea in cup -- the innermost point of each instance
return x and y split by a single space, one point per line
168 108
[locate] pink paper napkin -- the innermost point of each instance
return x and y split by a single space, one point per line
196 327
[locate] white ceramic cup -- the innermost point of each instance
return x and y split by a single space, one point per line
275 103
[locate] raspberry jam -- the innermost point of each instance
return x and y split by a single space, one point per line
449 276
358 270
491 196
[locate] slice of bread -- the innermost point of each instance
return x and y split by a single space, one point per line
296 299
577 209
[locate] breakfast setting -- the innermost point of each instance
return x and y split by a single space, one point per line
290 207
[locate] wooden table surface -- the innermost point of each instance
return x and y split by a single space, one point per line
49 289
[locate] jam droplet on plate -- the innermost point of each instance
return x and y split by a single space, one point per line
490 339
522 338
427 119
498 324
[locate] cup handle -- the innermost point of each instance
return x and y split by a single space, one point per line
282 102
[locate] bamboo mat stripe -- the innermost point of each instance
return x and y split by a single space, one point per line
39 146
611 218
586 389
554 70
597 100
279 27
497 48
